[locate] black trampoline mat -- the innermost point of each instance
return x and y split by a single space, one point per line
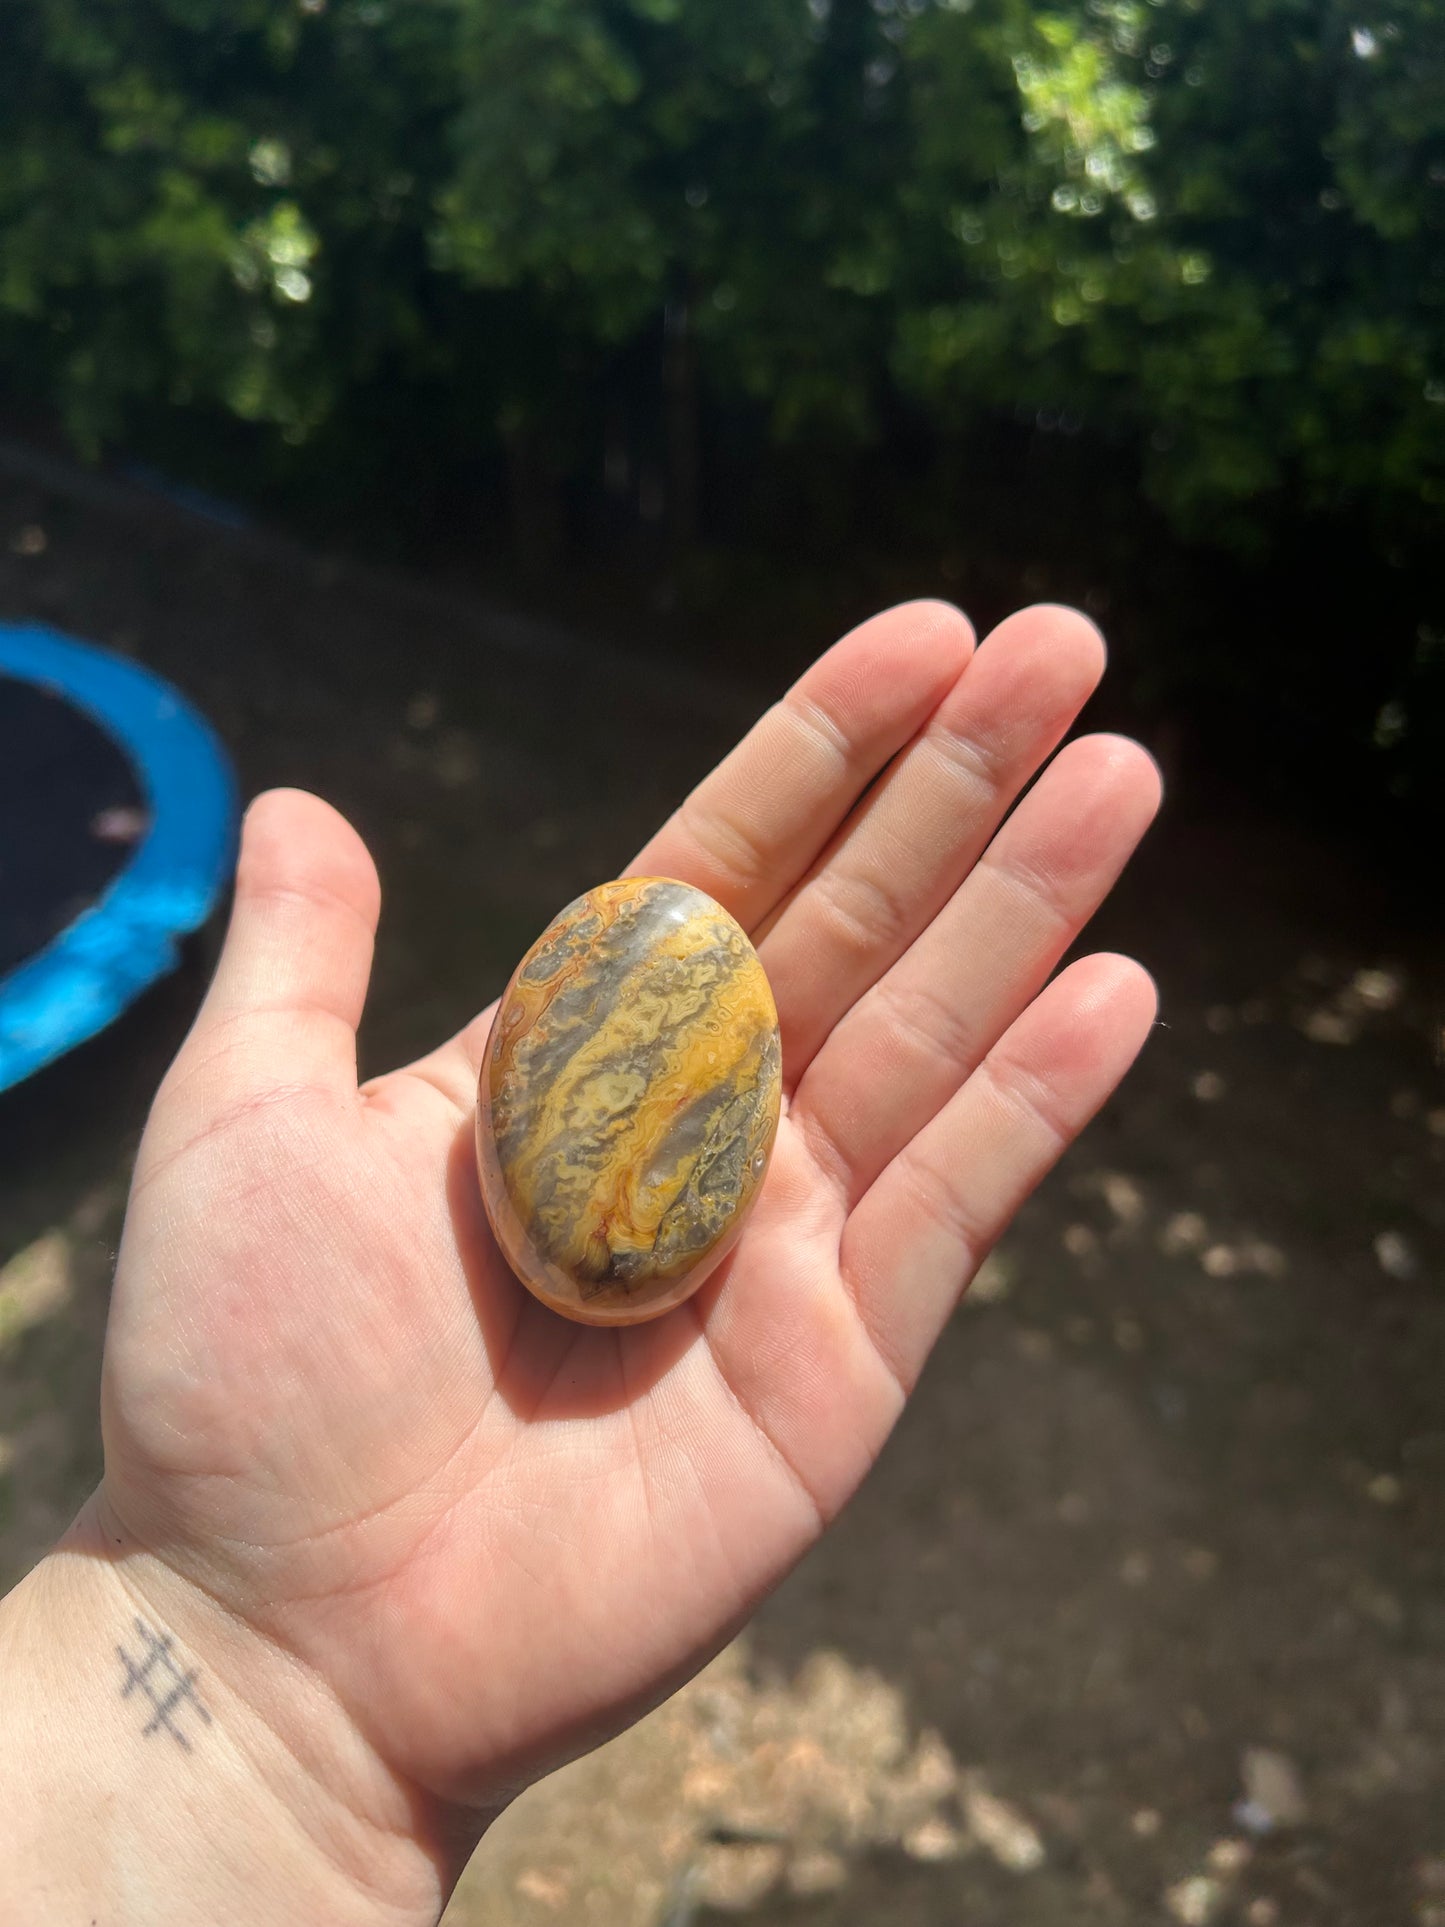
71 812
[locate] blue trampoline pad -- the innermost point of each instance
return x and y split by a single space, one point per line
117 834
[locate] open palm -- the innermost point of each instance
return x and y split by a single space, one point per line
492 1536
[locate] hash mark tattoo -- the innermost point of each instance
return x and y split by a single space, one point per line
163 1683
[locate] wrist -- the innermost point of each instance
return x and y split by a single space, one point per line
161 1762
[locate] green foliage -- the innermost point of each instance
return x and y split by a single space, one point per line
1212 231
1216 228
206 201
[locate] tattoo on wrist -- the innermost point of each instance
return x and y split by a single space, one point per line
168 1689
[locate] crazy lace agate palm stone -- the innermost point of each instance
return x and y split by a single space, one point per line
629 1099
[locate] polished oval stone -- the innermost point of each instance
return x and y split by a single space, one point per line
629 1099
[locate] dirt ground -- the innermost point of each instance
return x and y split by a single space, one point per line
1141 1618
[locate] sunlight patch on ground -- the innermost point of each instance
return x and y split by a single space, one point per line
1340 1016
739 1788
54 1291
1129 1217
34 1285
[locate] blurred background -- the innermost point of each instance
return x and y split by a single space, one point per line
479 410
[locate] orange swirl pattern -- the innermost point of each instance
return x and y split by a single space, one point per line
629 1099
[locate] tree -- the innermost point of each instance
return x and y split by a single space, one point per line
1218 230
569 228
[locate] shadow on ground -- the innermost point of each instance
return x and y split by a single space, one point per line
1141 1615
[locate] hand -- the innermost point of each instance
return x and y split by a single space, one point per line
425 1534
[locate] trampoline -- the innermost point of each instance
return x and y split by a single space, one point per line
117 835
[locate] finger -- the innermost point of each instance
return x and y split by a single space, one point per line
921 1231
752 827
910 843
289 988
749 829
907 1045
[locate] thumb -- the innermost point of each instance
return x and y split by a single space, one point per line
289 988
